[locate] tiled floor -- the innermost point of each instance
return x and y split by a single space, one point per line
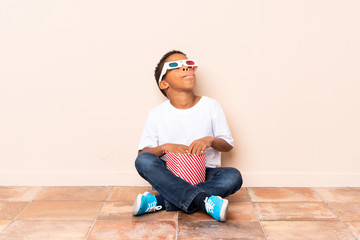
105 213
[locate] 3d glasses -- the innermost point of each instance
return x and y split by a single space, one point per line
177 64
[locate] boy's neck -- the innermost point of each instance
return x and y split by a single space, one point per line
184 101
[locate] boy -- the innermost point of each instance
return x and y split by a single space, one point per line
189 124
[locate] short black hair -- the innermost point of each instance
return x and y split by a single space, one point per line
160 66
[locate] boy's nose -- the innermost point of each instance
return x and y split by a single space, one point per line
185 68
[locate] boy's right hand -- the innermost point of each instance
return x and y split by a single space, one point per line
175 148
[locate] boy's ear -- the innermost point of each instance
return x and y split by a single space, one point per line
163 85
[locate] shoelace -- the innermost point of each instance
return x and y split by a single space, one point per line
152 207
209 205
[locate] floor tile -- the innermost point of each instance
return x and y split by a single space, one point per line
73 194
9 210
220 230
239 196
347 211
127 194
196 216
339 194
4 223
61 211
309 230
132 230
54 230
294 211
19 194
238 211
123 211
283 195
354 228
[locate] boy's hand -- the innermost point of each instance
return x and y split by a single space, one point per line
199 146
175 148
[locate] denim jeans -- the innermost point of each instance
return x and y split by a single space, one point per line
178 193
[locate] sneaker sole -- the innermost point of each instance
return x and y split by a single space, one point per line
224 210
137 205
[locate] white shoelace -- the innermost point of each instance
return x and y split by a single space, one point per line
152 207
209 205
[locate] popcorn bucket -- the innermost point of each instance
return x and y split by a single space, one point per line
191 168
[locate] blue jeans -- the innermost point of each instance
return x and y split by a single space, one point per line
179 194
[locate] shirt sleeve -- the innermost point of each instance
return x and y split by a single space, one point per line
220 125
149 137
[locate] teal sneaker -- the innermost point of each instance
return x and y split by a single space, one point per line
145 203
217 207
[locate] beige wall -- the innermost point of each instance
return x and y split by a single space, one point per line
76 84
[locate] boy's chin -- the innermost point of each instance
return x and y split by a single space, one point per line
190 82
190 88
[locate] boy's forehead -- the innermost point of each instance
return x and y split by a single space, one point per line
176 57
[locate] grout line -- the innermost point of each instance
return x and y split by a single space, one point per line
13 220
92 226
262 228
317 194
177 225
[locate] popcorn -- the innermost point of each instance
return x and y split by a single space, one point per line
190 167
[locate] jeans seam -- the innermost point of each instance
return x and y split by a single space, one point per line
191 198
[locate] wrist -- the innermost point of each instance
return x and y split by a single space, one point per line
211 140
163 148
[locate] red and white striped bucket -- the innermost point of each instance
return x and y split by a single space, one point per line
191 168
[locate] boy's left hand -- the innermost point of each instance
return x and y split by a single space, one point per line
199 146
